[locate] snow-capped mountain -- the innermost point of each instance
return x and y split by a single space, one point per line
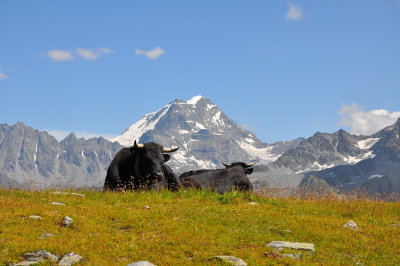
34 159
342 160
206 136
378 169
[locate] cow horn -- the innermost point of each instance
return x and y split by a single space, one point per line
226 165
169 149
250 164
138 146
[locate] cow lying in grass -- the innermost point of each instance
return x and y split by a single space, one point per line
234 176
141 167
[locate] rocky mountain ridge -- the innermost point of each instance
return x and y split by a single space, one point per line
206 136
34 158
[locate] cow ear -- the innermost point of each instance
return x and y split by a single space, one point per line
249 170
166 157
132 149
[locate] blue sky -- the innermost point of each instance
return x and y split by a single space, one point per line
284 69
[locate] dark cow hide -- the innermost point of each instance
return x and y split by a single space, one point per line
141 167
221 180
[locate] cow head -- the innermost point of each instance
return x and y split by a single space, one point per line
246 166
241 181
149 158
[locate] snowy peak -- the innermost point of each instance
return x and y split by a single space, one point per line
205 134
195 99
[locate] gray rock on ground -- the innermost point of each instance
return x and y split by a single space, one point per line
35 217
69 259
231 260
25 263
252 203
67 221
40 255
57 203
351 225
46 235
67 193
78 194
279 245
141 263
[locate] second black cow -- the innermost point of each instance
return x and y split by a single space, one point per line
234 176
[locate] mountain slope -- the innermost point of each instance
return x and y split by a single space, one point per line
380 172
34 158
320 151
206 136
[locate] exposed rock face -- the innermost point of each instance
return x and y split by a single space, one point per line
379 172
351 225
69 259
34 159
67 221
141 263
278 245
231 260
39 256
340 162
206 136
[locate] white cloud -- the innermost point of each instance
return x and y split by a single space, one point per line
294 12
93 54
87 54
365 122
60 55
2 76
152 54
61 134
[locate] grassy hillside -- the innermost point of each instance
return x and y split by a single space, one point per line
190 227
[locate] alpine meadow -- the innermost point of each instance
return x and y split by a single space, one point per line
143 133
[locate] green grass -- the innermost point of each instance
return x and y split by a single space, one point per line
190 227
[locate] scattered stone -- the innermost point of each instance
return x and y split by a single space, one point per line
394 225
77 194
67 221
60 193
57 203
40 255
70 259
351 225
252 203
46 236
279 245
146 207
231 260
24 263
35 217
177 219
141 263
287 231
66 193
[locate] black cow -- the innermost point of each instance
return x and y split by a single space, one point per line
141 167
221 180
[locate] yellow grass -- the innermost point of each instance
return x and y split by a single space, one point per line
191 227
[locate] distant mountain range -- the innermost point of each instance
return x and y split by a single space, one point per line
206 136
33 158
